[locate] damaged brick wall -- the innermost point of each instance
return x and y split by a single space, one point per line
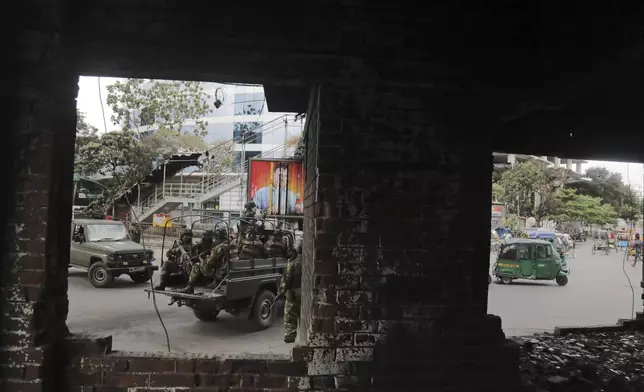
399 295
310 200
39 162
136 372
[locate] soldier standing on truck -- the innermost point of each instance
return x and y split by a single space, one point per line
210 264
178 258
291 289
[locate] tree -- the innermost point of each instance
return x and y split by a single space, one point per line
612 190
520 184
583 208
158 104
547 198
85 134
498 192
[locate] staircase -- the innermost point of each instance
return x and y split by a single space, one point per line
169 196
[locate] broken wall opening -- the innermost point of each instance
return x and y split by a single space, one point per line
204 143
568 201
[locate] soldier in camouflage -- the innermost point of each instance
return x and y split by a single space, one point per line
206 244
291 289
134 230
209 264
178 258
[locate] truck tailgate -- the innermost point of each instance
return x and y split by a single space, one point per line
199 294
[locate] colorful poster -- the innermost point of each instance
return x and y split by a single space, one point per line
277 186
159 220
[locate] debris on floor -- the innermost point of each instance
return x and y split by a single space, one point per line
606 361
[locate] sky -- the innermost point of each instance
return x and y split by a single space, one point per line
88 101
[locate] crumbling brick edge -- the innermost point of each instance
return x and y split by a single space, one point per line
92 363
622 325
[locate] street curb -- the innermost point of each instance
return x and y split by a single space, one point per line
622 325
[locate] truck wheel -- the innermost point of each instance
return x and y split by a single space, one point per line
99 276
141 277
263 313
562 280
206 314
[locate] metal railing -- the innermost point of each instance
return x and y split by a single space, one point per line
208 183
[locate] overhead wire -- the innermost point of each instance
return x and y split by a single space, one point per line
630 284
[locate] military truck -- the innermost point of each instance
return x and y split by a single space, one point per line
104 249
247 286
250 277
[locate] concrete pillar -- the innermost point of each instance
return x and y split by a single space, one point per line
578 167
384 255
544 157
569 164
557 162
512 159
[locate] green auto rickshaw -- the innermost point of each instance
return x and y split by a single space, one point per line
530 259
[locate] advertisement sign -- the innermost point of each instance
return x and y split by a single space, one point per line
276 186
159 220
498 211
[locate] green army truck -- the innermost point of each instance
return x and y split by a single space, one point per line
248 285
104 249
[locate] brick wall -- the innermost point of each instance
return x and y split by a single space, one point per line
400 291
310 204
38 157
91 370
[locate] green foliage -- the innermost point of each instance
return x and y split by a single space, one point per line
583 208
498 192
520 184
159 104
612 190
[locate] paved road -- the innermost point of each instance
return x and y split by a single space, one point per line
125 312
598 293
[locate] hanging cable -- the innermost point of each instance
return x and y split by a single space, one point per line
630 284
100 99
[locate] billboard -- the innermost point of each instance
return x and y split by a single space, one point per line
498 212
276 186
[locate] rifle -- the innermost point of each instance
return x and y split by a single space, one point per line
274 302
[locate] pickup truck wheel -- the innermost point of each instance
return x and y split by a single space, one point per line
99 276
205 314
141 277
263 309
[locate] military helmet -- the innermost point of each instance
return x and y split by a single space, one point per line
185 232
250 205
221 234
208 234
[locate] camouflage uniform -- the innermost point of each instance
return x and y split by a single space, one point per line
275 247
176 258
209 263
291 288
135 233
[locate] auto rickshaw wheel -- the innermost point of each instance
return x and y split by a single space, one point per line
506 280
561 280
